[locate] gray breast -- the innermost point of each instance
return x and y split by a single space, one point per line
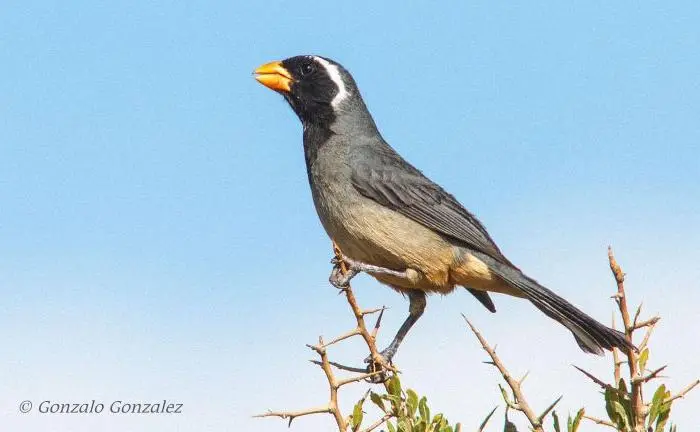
362 228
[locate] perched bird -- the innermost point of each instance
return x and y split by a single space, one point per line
391 221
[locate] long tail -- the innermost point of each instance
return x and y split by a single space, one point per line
590 335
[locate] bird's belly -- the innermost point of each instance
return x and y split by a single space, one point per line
368 232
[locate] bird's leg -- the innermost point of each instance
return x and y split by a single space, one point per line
415 310
340 280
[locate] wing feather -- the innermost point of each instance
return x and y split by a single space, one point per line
393 183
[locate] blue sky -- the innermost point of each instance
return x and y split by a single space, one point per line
158 240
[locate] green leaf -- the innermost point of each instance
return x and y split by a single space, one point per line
627 405
404 425
390 427
656 402
610 398
555 419
664 413
377 400
423 409
622 385
620 411
577 420
412 402
509 427
396 402
663 418
357 414
394 386
643 358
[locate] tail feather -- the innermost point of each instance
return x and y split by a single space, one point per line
484 299
590 335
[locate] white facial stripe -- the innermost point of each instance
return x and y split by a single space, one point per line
334 73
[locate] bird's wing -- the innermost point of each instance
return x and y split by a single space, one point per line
390 181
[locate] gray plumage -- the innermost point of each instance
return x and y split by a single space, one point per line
382 211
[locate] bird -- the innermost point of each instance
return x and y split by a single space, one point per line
391 221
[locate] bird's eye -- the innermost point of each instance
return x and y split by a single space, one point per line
306 69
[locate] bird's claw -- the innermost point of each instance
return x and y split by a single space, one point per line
375 367
337 278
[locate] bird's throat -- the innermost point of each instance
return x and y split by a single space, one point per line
315 137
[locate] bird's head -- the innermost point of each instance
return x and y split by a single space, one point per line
318 89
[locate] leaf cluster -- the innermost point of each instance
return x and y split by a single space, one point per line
404 410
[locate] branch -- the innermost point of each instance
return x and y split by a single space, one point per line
326 365
358 378
332 384
351 333
647 335
600 422
520 401
375 310
636 315
341 366
359 317
616 358
291 415
685 391
636 401
600 382
651 376
378 423
647 323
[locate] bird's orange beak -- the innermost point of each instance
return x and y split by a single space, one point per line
274 76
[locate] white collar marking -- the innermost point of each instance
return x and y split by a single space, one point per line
334 73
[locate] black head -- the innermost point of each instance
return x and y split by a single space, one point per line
316 88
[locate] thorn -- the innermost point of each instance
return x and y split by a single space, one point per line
549 408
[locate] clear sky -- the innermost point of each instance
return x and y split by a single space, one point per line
158 240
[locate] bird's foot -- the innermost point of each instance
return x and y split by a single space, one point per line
382 373
338 278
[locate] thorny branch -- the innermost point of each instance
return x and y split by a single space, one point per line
599 421
637 403
333 385
519 403
360 318
639 409
685 391
378 372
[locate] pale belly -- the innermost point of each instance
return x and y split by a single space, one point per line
368 232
